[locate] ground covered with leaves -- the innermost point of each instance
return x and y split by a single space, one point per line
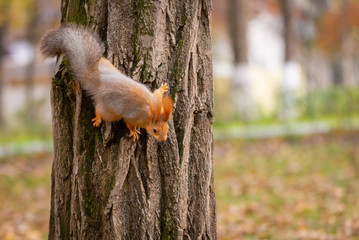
293 188
25 197
302 188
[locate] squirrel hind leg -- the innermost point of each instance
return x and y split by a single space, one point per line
98 119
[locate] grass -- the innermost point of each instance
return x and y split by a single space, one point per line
25 133
303 188
333 101
334 104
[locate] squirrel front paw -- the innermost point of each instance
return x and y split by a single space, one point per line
134 133
164 88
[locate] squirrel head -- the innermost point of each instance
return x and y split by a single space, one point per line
160 114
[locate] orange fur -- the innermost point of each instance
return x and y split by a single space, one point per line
167 107
134 132
98 119
156 107
108 63
113 116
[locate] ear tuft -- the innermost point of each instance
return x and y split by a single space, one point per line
167 106
155 109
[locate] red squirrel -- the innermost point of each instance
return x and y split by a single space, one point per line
115 95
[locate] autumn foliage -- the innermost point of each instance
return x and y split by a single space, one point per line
336 25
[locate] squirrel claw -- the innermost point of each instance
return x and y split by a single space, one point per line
134 133
97 121
164 87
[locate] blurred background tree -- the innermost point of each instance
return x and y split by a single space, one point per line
291 67
23 73
240 92
298 54
4 21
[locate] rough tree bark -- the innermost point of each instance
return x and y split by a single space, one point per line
105 186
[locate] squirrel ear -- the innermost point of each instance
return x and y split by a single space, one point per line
155 110
167 106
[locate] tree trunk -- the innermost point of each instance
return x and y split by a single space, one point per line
32 36
288 27
4 22
291 70
238 21
240 82
347 54
105 186
3 28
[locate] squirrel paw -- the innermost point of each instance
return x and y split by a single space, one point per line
97 121
164 87
134 133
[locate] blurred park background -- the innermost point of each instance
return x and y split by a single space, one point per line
286 75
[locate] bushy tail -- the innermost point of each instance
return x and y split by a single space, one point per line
81 47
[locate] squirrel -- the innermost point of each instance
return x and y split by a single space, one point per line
116 96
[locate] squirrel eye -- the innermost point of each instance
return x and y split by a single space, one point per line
154 130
